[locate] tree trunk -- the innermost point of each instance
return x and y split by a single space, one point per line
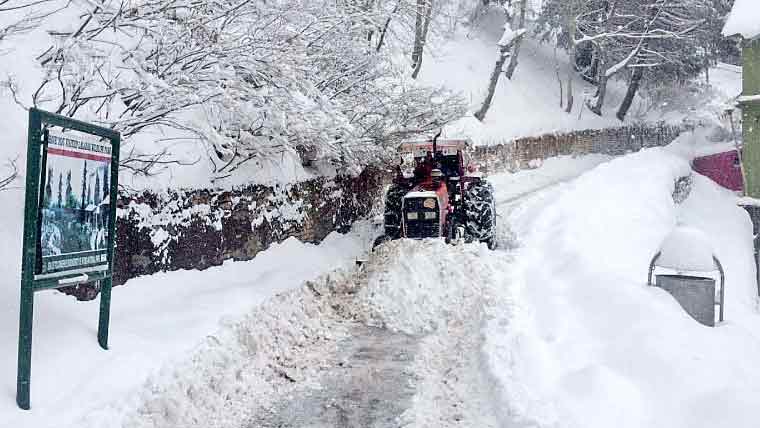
600 95
425 29
497 70
633 87
602 78
418 23
559 80
516 47
570 98
385 27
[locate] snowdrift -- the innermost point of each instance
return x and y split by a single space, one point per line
588 344
419 287
176 339
441 294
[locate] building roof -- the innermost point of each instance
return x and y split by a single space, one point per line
744 19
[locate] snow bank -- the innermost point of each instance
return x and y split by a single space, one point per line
157 321
243 365
744 19
587 344
419 286
440 293
509 187
687 249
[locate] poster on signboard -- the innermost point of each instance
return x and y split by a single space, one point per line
75 204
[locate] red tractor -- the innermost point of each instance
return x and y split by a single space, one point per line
441 197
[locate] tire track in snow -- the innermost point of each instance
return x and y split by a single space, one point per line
412 356
423 363
367 385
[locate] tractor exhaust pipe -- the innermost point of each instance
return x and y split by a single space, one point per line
435 143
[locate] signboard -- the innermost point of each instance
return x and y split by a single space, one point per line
69 220
75 206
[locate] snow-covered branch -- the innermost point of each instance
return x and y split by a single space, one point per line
246 78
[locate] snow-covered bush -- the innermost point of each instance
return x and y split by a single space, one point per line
248 80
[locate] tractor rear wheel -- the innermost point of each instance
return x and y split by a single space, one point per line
480 213
392 217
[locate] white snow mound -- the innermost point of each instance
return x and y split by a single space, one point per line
687 249
418 286
586 342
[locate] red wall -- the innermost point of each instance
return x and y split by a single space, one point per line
723 168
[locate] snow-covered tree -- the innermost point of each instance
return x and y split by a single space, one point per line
517 9
505 44
248 79
628 37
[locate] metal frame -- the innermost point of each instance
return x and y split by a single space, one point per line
718 265
35 167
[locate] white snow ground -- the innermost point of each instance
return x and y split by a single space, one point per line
587 344
512 187
560 332
159 323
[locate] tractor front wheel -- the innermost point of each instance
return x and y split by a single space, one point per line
480 214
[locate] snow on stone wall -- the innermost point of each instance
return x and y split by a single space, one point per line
201 228
526 153
197 229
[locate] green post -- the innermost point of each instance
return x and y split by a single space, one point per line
25 348
105 313
750 157
34 276
751 117
105 289
29 259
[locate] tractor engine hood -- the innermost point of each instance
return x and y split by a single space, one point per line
424 213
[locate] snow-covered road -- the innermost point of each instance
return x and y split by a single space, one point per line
367 383
421 364
412 356
554 329
159 323
561 330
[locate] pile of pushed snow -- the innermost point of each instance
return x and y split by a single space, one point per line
247 364
157 321
442 293
613 216
281 347
418 286
588 344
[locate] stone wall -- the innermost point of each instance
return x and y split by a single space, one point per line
522 153
202 228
